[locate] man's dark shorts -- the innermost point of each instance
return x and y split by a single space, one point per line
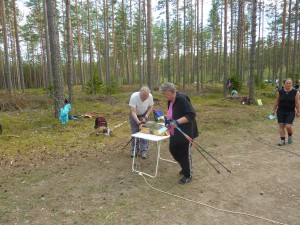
285 117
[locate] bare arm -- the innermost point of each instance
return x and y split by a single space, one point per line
297 101
276 103
134 115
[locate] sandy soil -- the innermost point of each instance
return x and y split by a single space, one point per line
90 187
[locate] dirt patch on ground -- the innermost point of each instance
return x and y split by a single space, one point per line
89 187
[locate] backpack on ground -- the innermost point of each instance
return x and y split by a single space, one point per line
100 122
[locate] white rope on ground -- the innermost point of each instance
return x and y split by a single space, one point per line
212 207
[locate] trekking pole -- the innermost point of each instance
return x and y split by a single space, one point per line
211 156
207 160
192 141
127 143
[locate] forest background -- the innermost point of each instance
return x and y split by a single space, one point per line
101 45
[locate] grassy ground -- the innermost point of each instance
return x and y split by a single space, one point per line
65 174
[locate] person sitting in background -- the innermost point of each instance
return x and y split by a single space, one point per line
286 102
64 112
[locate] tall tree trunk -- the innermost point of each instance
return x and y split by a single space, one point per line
239 41
90 48
149 44
6 53
131 43
105 10
115 77
49 78
81 77
98 46
139 46
202 48
178 42
168 41
282 42
20 64
225 50
231 35
197 44
59 92
70 66
295 39
125 41
252 53
275 45
184 44
287 62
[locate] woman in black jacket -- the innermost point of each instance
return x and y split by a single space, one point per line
182 113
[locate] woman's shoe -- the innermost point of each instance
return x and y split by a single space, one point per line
281 143
290 141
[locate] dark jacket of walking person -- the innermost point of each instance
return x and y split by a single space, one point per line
141 104
181 111
287 100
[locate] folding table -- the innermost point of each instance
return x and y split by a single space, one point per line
149 137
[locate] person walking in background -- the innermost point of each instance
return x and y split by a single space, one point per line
141 104
287 100
182 114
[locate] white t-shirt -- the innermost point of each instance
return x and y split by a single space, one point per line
141 106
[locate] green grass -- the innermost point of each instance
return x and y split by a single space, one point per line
34 130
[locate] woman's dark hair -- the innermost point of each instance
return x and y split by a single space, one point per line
66 101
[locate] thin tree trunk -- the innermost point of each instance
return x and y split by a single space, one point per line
49 78
149 44
287 62
168 42
98 45
139 46
197 59
282 42
131 43
70 66
90 48
239 41
178 42
295 40
6 53
20 64
82 81
225 50
105 10
115 77
184 44
252 54
125 41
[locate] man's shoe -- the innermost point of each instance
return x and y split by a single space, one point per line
185 180
281 143
290 141
144 156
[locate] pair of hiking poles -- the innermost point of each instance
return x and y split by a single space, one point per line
201 150
196 145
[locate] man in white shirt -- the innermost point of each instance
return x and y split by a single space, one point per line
141 104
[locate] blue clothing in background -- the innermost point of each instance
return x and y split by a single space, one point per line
64 117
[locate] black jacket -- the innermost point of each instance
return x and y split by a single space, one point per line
182 107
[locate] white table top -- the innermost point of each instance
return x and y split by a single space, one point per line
149 137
